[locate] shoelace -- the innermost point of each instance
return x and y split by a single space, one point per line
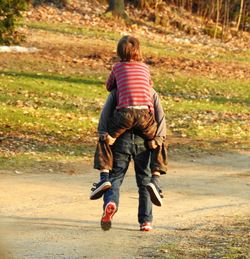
93 188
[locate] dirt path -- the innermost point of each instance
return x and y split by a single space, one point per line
49 215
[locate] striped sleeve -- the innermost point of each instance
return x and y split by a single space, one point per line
111 82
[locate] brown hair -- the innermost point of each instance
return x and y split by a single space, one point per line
128 49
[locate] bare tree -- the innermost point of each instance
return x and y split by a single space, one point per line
225 18
222 12
116 7
240 14
217 18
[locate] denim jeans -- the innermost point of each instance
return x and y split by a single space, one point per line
130 146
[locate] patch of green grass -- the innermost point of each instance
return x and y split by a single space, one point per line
216 90
51 91
16 161
44 121
208 109
232 56
49 113
157 48
74 30
49 157
109 37
56 112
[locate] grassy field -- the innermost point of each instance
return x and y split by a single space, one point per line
50 101
158 48
227 240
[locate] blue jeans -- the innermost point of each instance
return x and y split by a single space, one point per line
130 146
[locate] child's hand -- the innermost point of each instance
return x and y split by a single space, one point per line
152 144
110 141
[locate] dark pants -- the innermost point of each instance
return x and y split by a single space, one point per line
127 147
142 122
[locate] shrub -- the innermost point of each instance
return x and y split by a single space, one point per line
10 11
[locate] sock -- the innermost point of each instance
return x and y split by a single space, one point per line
155 178
104 176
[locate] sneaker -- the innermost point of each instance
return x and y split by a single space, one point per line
147 226
107 216
99 189
155 193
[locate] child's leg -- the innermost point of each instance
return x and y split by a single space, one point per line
154 189
159 158
122 121
148 127
103 161
145 123
158 167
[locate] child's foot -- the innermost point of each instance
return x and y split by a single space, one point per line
155 192
99 189
107 216
146 226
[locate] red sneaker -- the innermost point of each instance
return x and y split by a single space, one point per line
107 216
146 226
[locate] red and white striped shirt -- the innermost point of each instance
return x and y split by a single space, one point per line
133 83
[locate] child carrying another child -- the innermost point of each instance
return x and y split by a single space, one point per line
134 111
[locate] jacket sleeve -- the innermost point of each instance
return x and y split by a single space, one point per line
159 115
106 113
111 82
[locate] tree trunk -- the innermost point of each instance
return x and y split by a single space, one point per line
240 14
190 4
212 10
117 8
217 18
225 18
245 15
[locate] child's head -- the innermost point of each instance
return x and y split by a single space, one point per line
128 49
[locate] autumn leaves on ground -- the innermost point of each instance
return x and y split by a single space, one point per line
50 100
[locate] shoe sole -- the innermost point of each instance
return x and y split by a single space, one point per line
154 195
97 194
109 212
146 229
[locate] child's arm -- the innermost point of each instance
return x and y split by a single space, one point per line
111 82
